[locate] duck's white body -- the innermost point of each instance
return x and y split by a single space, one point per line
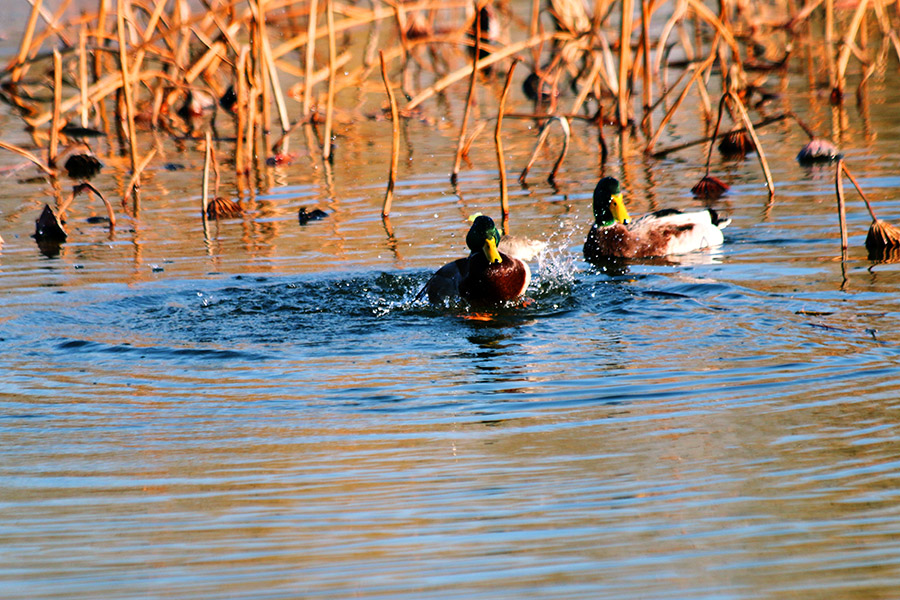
524 249
693 230
662 233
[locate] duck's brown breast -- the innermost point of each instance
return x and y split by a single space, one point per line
493 283
619 241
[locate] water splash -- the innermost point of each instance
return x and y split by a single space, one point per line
557 265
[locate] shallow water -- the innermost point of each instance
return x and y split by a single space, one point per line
266 411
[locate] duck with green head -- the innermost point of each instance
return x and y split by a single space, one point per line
660 233
486 276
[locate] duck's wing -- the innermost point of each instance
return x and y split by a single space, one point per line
661 214
670 216
445 281
674 216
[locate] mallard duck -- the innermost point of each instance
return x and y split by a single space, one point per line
486 276
660 233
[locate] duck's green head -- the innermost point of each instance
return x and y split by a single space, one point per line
609 208
483 236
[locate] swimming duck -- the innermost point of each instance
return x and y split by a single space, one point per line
486 276
660 233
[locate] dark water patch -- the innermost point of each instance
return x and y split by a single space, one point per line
26 416
157 352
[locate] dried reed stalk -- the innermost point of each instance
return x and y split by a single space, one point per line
100 37
400 18
715 133
842 214
204 63
535 19
677 16
662 152
216 174
829 41
843 167
320 75
847 47
207 159
31 157
57 99
25 46
712 187
498 141
133 182
54 27
698 72
586 88
241 110
760 155
274 81
803 14
545 131
472 78
329 106
310 51
182 21
251 127
111 215
667 90
476 131
81 187
395 141
127 87
359 17
549 115
887 29
261 73
83 74
494 57
703 93
148 35
624 59
567 133
647 91
97 92
707 15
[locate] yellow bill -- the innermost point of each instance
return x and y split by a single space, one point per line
490 251
619 212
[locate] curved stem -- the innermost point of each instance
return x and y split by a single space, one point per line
395 141
842 215
858 189
756 143
545 131
712 140
501 163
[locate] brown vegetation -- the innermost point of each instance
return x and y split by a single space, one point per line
156 65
